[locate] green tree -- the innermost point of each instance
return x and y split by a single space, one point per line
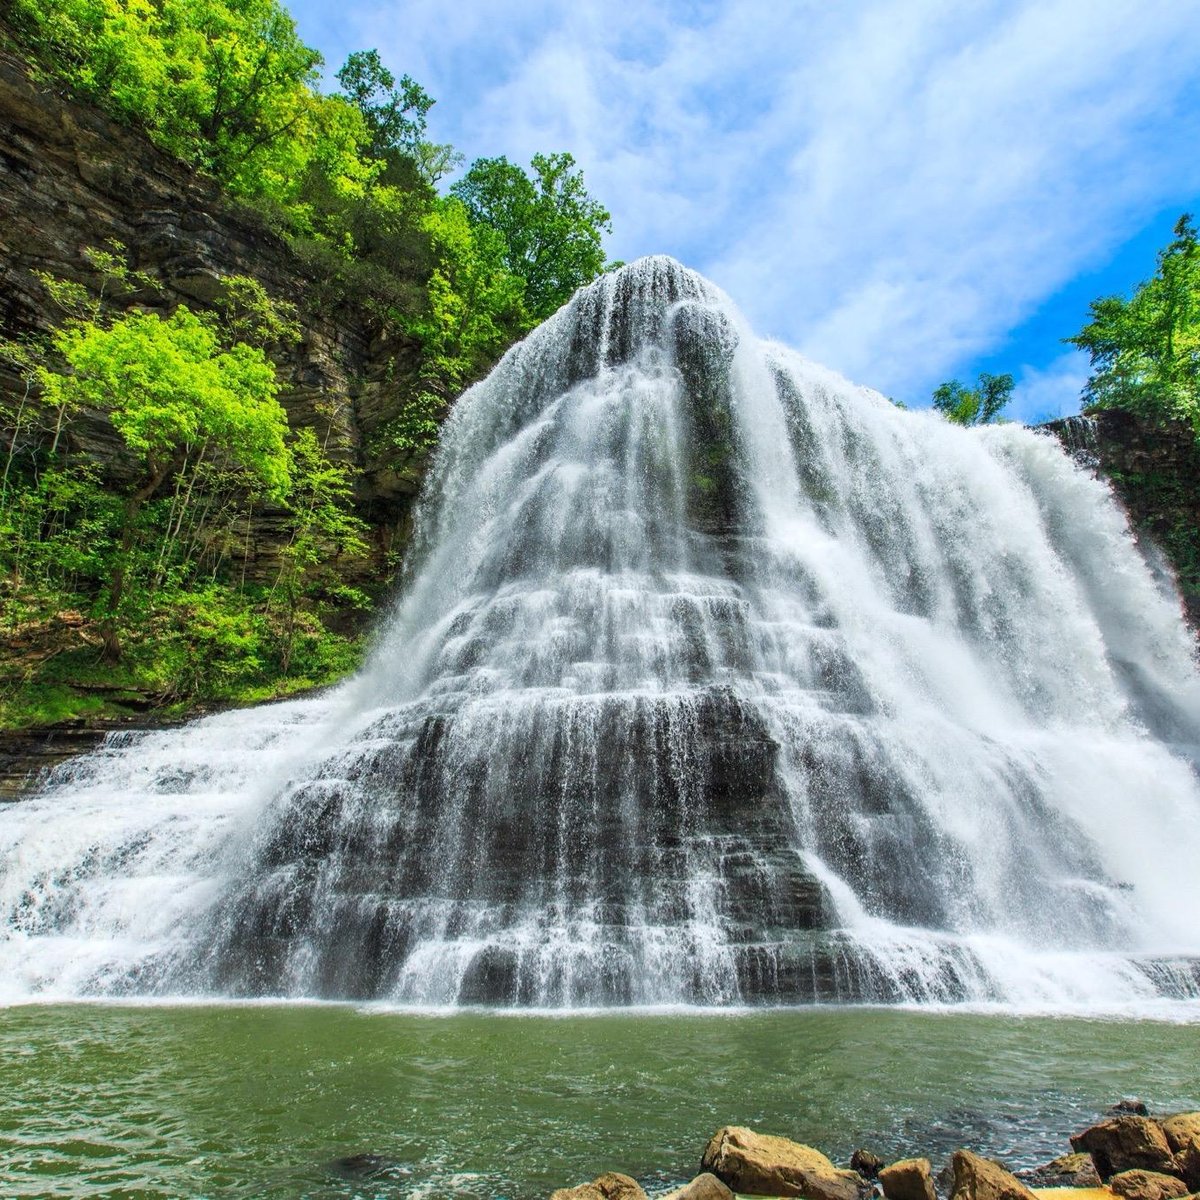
1145 350
980 405
552 227
176 398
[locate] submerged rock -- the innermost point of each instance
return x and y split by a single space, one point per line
977 1178
1147 1185
1130 1107
610 1186
360 1166
908 1179
764 1165
1126 1144
703 1187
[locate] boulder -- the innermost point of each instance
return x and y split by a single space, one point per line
763 1165
868 1165
908 1179
977 1178
1068 1170
703 1187
1181 1129
1126 1144
1183 1136
1187 1164
609 1186
1147 1185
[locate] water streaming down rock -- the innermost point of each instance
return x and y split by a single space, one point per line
714 680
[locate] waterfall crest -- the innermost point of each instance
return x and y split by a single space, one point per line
714 680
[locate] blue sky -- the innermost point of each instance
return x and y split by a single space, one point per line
905 190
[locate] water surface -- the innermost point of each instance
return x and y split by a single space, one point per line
256 1101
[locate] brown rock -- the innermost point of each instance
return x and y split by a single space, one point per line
609 1186
978 1178
1068 1170
1181 1129
703 1187
908 1179
1187 1164
1126 1144
1147 1185
763 1165
585 1191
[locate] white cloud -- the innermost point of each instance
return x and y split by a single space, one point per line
1050 392
890 185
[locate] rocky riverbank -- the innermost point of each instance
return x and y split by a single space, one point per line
1130 1155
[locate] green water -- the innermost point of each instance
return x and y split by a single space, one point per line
257 1101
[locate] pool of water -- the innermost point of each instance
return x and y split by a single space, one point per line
258 1101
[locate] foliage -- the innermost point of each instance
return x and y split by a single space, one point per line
980 405
552 227
149 558
1145 351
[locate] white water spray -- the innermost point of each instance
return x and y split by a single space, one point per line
715 680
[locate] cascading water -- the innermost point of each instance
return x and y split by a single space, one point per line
715 680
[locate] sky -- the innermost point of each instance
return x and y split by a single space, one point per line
907 191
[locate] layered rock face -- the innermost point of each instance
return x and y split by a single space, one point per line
72 179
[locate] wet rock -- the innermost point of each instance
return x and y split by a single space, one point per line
360 1166
1147 1185
764 1165
1130 1107
908 1179
1126 1144
868 1165
610 1186
977 1178
1069 1170
703 1187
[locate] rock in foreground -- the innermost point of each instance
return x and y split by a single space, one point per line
977 1178
1126 1144
610 1186
763 1165
703 1187
1147 1185
908 1179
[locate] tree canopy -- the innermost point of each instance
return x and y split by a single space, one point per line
552 227
980 405
1145 350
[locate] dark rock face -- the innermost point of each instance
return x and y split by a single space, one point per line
71 179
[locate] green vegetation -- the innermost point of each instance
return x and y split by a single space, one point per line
228 86
147 447
980 405
133 583
1145 351
552 228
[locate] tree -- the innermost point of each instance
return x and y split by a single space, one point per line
552 227
980 405
176 398
1145 351
395 115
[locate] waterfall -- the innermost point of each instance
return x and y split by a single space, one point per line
714 679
